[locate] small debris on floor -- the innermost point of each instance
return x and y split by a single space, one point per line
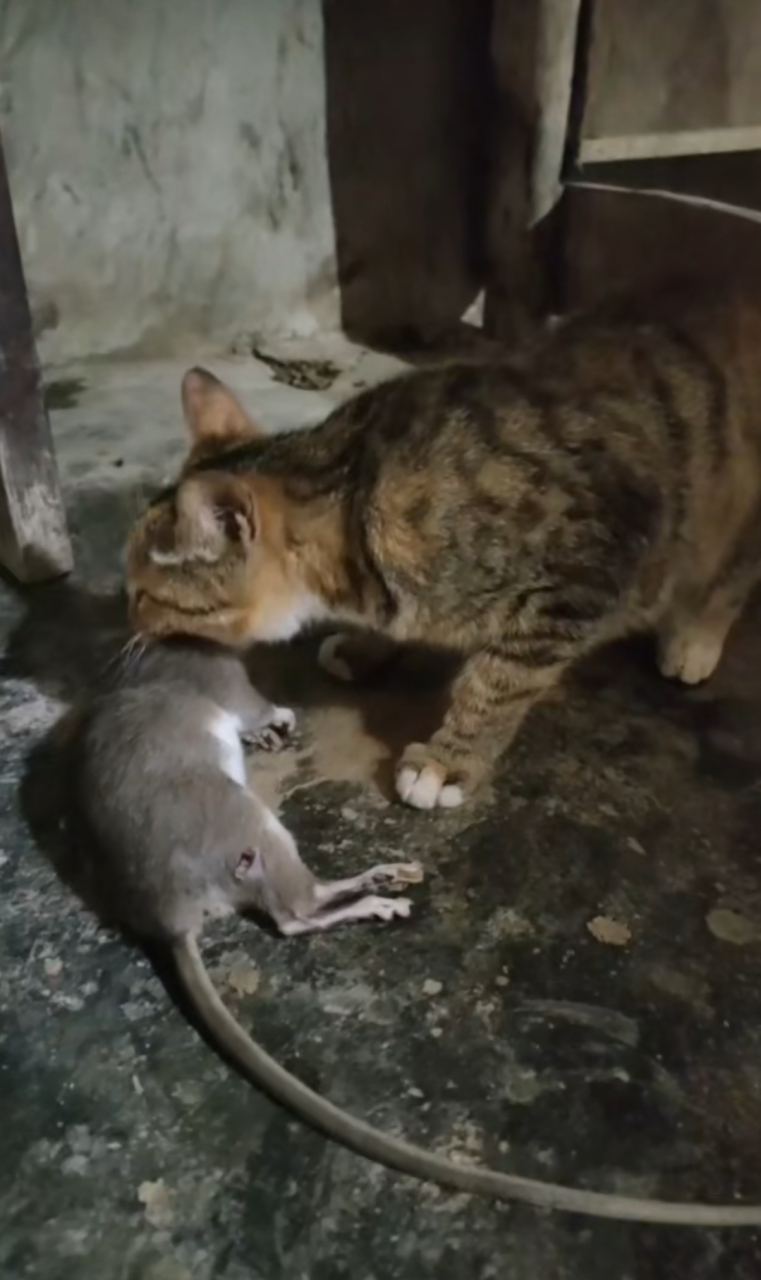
731 926
305 375
244 978
610 932
157 1200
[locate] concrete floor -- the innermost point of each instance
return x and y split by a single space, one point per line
575 998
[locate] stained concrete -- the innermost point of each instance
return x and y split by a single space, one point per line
495 1024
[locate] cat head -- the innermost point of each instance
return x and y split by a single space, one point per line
215 556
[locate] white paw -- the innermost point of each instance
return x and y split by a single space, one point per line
332 662
374 908
690 659
426 789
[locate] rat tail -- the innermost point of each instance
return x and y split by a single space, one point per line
371 1143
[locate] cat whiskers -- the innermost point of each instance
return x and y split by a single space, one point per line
134 650
125 660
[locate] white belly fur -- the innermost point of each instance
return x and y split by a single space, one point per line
226 729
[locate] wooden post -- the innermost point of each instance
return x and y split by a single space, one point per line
533 54
34 542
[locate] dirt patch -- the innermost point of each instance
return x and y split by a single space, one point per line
305 375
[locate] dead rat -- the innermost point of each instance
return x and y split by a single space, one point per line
160 781
174 837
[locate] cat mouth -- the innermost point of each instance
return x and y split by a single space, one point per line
153 616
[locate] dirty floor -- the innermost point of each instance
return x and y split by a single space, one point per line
577 996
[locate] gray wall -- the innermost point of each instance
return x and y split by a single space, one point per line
168 167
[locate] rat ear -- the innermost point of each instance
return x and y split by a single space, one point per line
212 413
212 511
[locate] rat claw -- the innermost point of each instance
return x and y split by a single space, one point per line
265 740
275 735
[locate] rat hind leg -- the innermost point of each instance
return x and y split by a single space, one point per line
327 895
271 876
390 876
369 908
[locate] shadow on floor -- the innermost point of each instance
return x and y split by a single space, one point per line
69 641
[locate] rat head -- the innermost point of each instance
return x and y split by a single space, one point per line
216 556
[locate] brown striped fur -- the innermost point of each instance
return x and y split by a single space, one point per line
519 511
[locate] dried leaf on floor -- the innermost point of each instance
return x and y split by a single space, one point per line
610 932
732 926
244 978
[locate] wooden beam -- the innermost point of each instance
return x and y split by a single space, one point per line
34 542
650 146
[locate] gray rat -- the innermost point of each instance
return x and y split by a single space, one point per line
160 780
175 837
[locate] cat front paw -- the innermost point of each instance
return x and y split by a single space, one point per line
425 782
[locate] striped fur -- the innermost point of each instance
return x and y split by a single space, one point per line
519 511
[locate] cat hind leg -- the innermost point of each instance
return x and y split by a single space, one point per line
356 656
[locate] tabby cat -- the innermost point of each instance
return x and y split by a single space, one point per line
518 511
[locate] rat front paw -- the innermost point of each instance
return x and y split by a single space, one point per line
426 782
275 735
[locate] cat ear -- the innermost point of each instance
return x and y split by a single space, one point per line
213 511
211 411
